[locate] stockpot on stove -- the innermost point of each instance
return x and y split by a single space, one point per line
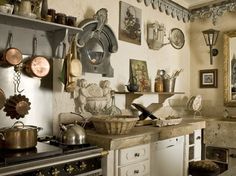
19 136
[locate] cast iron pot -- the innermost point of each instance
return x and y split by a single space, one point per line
19 136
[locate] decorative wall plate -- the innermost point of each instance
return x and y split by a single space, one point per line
177 39
147 2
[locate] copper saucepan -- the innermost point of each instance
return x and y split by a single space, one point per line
37 66
11 56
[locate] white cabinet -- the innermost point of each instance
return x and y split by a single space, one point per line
194 145
133 161
167 157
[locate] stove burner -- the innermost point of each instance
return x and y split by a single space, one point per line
72 148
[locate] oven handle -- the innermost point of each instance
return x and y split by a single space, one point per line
48 162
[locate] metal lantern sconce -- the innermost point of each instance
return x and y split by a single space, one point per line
210 37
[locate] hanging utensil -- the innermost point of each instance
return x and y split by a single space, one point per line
75 64
17 106
11 56
70 83
37 66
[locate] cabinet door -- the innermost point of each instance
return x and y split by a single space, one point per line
138 169
167 157
197 144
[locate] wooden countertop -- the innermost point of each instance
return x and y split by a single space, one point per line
144 134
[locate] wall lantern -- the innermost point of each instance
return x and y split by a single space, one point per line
210 37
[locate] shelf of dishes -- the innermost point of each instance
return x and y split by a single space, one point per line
35 24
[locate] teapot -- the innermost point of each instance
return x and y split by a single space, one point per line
72 134
133 86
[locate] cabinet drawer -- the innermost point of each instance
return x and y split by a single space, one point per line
217 154
133 154
138 169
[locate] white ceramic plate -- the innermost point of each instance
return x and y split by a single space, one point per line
197 103
147 2
189 103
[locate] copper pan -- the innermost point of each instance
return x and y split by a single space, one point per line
37 66
11 56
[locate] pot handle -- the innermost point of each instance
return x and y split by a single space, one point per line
18 122
2 137
39 129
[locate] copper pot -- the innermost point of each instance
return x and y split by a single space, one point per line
11 56
19 136
37 66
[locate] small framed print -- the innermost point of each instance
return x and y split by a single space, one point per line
130 23
208 78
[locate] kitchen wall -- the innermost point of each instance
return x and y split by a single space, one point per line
200 60
166 58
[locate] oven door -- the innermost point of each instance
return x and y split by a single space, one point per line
82 164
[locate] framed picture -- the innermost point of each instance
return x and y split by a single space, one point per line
208 78
130 23
139 74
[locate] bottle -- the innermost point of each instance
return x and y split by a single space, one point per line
113 109
44 9
159 83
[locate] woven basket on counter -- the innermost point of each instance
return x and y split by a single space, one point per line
119 124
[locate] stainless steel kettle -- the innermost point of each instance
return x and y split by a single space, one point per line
72 134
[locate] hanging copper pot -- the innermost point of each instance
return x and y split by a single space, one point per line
11 56
37 66
17 106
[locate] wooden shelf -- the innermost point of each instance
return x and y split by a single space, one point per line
35 24
131 96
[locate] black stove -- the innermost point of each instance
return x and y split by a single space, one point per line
50 157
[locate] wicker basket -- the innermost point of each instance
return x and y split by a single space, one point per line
114 124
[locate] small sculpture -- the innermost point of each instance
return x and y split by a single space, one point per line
101 17
105 85
82 95
91 98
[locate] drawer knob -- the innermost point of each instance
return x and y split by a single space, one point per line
136 171
232 155
137 154
199 137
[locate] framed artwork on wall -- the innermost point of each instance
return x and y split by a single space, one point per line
139 74
208 78
130 23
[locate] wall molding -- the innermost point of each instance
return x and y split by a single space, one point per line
213 11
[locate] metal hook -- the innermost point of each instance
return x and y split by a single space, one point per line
17 77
